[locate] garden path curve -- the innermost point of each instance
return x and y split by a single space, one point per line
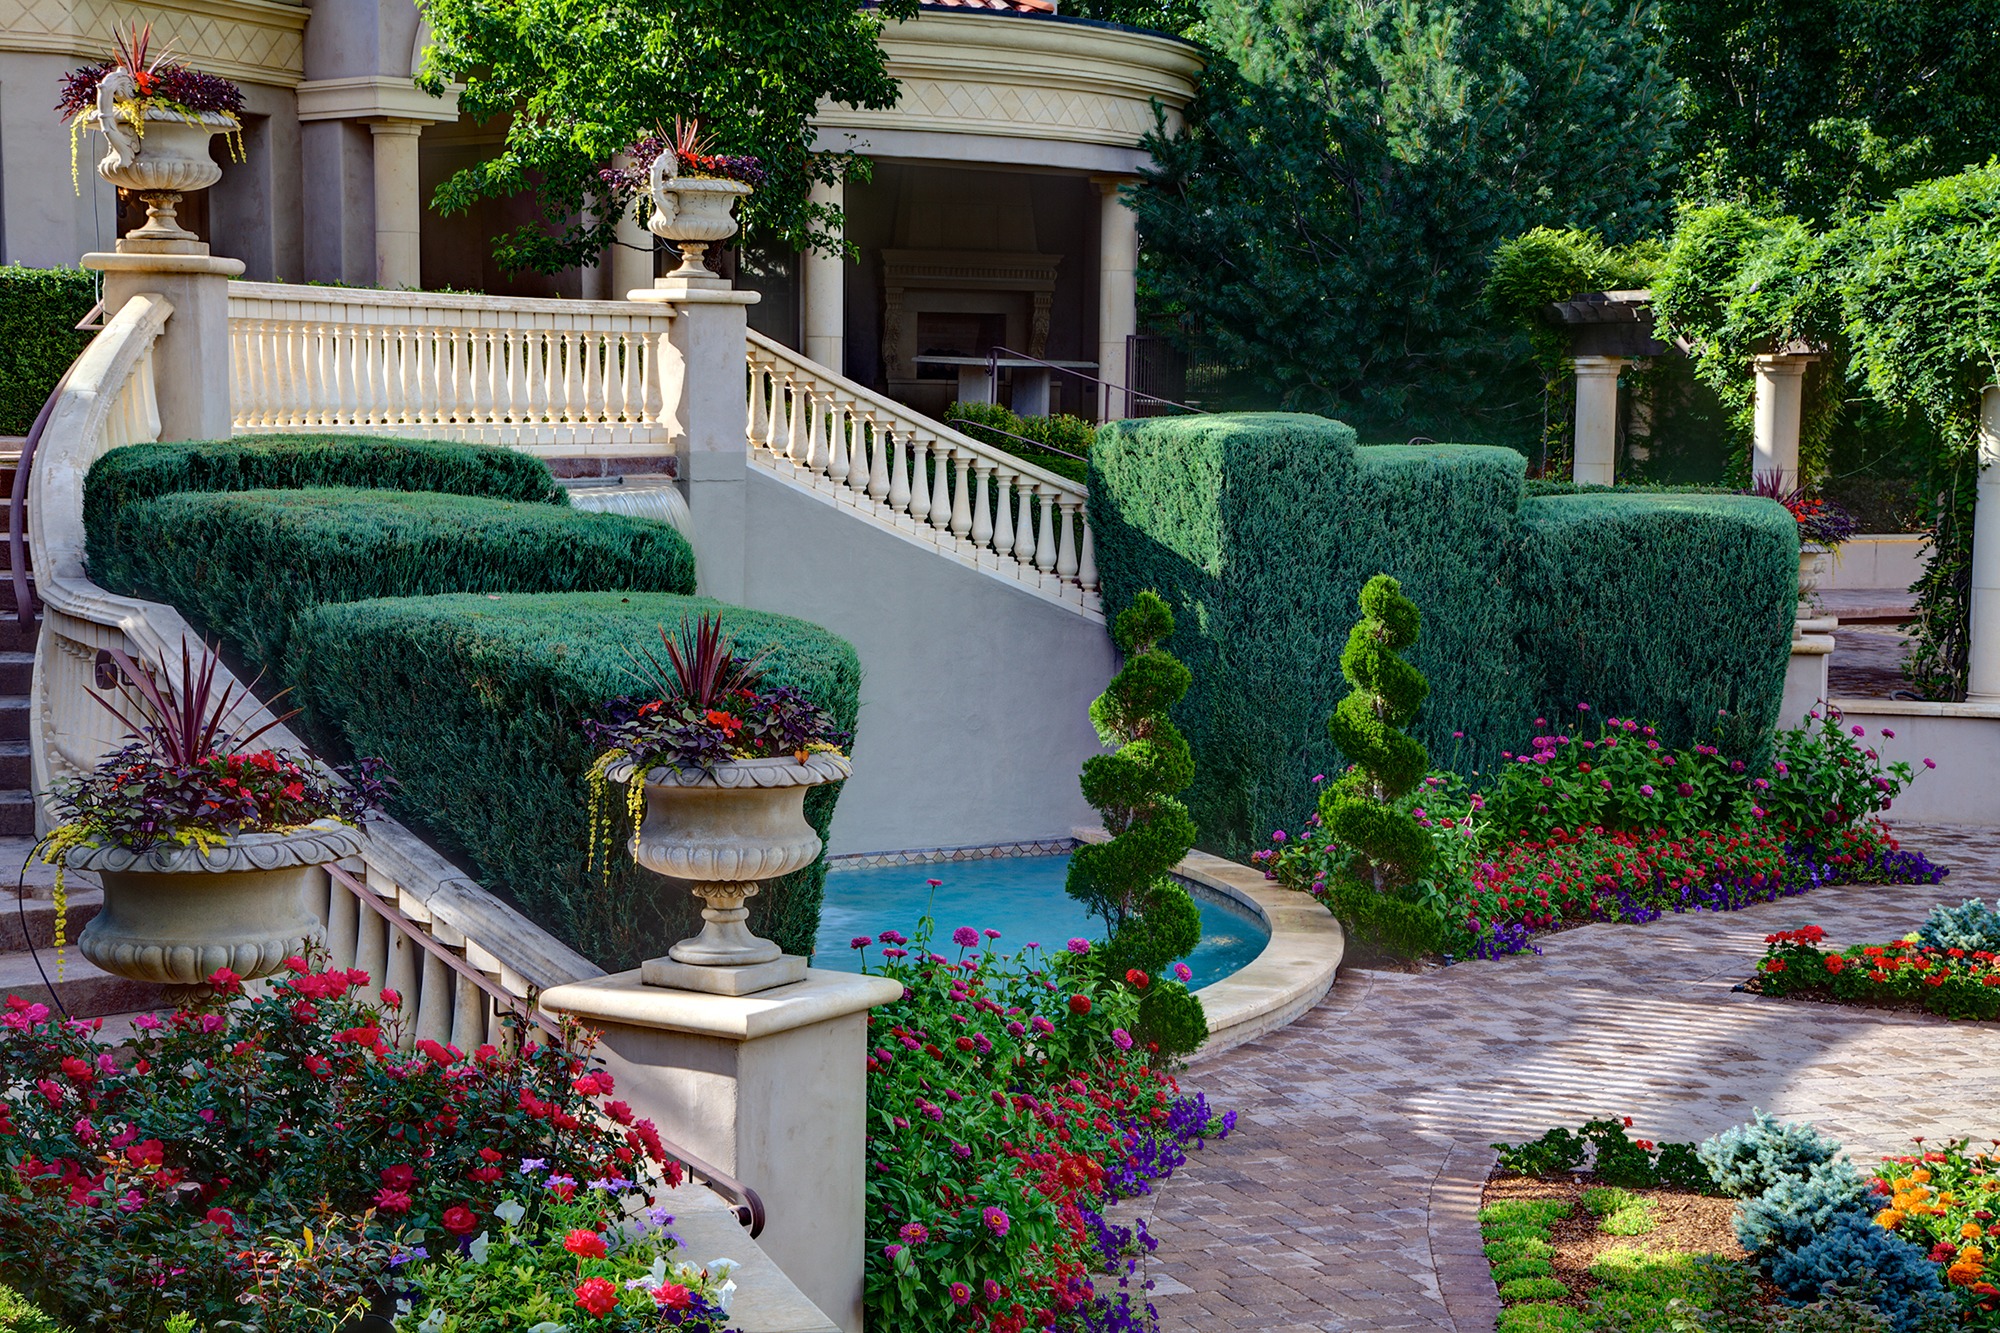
1346 1199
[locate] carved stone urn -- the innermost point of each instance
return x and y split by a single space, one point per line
1815 567
161 158
176 914
726 832
691 211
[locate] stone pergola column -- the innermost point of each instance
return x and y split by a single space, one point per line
632 255
1596 457
822 282
1117 292
399 204
1982 679
1779 404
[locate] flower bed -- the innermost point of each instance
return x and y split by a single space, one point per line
1008 1106
1950 966
1600 822
281 1152
1811 1243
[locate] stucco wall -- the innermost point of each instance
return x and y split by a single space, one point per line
974 693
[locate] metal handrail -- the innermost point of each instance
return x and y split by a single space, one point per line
993 355
743 1201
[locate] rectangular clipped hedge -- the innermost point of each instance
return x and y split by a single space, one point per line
1673 608
1261 528
477 702
39 310
289 462
245 564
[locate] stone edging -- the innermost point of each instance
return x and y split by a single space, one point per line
1291 975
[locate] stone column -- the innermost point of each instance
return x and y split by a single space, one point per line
1982 681
1780 397
399 207
771 1088
1596 461
706 405
191 366
632 256
822 279
1117 292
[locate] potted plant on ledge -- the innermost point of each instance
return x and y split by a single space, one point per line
1823 526
692 192
205 847
716 769
157 116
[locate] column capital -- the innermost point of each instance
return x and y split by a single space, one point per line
408 128
1783 363
374 95
1110 185
1600 365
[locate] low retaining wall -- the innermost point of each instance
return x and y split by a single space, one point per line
1963 740
1879 560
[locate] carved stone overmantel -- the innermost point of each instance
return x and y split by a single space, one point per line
964 280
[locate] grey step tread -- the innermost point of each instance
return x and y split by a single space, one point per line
85 991
30 922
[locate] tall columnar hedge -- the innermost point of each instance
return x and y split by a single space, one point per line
39 310
245 564
477 703
1260 530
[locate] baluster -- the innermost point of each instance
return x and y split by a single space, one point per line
350 374
590 380
434 997
631 388
815 455
319 354
1045 540
1086 564
468 1013
365 396
758 428
899 472
1065 544
836 444
341 920
535 351
1003 523
942 499
239 375
371 946
982 504
961 494
1024 521
878 461
569 389
920 487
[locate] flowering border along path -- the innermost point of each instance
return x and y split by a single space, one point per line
1348 1200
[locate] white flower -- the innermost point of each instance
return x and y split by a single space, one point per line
657 1274
510 1212
718 1270
477 1250
549 1326
433 1321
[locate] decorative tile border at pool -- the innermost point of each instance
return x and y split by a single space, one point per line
920 856
1292 974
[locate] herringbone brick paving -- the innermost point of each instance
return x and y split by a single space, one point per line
1346 1198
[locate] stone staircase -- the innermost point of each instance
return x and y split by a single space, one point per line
28 963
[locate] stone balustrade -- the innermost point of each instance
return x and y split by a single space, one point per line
919 477
549 377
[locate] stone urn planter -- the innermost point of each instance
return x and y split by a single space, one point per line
726 832
176 914
691 211
1815 567
160 157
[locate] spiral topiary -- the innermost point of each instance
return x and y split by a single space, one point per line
1362 810
1150 919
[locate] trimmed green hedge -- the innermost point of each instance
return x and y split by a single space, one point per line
245 564
39 310
1260 529
999 427
1673 608
291 462
478 703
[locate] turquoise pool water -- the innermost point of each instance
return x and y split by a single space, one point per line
1020 896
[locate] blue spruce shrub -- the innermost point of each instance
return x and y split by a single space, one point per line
1853 1257
1971 926
1793 1211
1749 1159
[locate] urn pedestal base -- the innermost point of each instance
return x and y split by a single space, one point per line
709 980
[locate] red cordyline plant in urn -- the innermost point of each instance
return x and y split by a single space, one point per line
690 192
205 844
716 765
157 116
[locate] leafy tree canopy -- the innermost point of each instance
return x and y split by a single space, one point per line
577 80
1819 107
1325 218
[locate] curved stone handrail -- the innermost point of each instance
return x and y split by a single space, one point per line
315 844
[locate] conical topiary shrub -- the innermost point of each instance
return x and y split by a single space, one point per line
1366 809
1151 919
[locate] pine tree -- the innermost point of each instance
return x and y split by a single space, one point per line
1151 920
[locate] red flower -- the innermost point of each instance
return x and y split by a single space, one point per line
460 1220
1137 979
584 1244
148 1152
221 1217
402 1176
596 1295
1079 1004
392 1201
672 1296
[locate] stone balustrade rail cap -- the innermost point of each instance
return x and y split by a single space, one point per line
624 999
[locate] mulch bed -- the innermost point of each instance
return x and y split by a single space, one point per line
1682 1222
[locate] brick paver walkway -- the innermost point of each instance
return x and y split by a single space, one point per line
1346 1199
